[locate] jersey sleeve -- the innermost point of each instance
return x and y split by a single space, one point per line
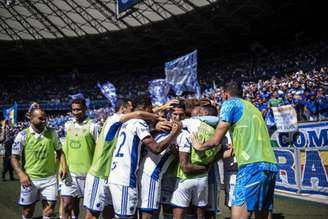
210 120
226 112
94 130
142 129
19 142
111 127
184 142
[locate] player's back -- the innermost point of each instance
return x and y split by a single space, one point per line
127 152
155 165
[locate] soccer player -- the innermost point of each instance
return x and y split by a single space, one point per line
96 194
151 170
123 175
80 142
257 171
192 173
36 145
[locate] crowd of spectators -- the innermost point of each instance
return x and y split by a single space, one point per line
270 78
256 63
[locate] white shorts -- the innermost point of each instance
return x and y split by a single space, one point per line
125 200
167 188
96 194
229 186
149 193
191 191
73 186
44 189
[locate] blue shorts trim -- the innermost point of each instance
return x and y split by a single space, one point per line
91 210
124 216
176 206
149 210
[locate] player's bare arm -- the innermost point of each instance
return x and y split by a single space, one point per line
159 147
187 166
23 177
63 165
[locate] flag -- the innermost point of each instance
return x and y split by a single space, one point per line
269 119
181 74
123 5
158 90
109 91
10 114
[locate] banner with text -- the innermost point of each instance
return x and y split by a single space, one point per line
285 118
302 157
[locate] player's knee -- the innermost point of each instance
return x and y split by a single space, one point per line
67 205
147 215
48 212
91 215
27 212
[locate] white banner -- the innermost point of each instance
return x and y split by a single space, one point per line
285 118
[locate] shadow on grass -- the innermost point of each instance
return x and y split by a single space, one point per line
274 216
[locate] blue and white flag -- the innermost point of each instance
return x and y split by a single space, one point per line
181 74
123 5
109 91
158 90
10 114
269 119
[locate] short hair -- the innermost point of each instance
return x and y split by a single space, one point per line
180 105
122 102
233 88
142 102
79 101
35 109
211 110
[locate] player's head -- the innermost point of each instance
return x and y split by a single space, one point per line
178 111
38 118
143 103
32 106
79 109
124 105
231 89
195 111
208 111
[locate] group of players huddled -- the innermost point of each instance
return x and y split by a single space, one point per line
146 160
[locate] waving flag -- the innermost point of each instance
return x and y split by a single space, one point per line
181 73
158 90
109 91
123 5
10 114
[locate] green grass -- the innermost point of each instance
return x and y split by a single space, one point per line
287 208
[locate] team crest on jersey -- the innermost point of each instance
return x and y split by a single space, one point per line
75 144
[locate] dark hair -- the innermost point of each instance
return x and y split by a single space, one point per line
211 110
142 102
34 109
233 88
122 102
79 101
180 105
